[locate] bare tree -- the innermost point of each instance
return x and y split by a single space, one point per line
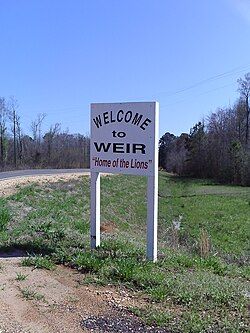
12 107
239 110
244 89
19 139
36 128
3 130
52 149
48 139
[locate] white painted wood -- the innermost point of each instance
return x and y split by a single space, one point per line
152 196
95 210
124 139
152 217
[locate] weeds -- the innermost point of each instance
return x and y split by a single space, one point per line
38 261
21 277
4 216
204 244
30 295
152 316
199 283
175 230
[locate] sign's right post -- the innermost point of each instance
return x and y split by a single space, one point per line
152 197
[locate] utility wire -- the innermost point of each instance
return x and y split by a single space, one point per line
197 95
234 71
229 73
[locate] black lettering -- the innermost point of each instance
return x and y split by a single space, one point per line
106 118
118 147
102 146
128 116
145 123
119 119
140 147
98 121
121 134
137 119
111 117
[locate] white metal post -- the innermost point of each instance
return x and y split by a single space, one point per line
152 196
95 210
152 217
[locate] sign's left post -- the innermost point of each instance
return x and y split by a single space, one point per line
95 210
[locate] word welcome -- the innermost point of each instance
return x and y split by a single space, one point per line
122 116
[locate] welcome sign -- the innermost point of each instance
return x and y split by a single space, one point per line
123 137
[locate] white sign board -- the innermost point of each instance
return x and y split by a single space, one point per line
124 139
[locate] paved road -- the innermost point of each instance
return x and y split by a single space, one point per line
38 172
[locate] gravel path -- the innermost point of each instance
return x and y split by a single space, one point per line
57 302
11 185
40 172
122 324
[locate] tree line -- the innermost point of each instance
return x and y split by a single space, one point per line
50 149
217 147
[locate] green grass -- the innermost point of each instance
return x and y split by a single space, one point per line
4 215
39 262
30 294
225 215
21 277
200 281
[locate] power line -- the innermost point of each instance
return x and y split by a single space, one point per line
197 95
229 73
236 70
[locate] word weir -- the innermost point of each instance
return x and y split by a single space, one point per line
124 140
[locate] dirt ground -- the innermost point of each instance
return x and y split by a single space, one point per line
43 301
52 301
10 186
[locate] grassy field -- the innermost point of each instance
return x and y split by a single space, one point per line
201 280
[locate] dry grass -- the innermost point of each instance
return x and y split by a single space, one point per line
204 244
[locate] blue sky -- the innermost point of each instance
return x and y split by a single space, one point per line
59 56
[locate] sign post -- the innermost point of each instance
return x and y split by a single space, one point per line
95 210
124 139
